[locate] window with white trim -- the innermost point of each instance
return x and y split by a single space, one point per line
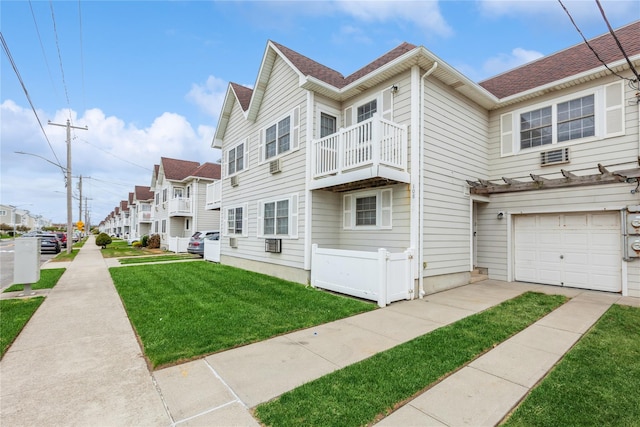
581 117
164 225
281 136
236 158
368 210
278 217
234 221
178 192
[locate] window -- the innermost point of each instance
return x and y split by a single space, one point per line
187 224
277 138
234 220
155 226
366 111
177 193
368 210
280 137
278 218
598 113
164 195
164 225
157 199
235 159
328 124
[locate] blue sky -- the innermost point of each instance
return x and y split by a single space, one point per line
148 78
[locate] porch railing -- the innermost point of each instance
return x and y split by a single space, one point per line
214 195
144 216
375 141
180 205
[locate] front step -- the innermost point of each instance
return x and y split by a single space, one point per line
479 274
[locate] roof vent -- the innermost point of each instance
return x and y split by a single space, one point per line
554 157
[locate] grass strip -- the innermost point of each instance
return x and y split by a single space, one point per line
596 383
48 279
360 393
186 310
158 258
15 313
63 256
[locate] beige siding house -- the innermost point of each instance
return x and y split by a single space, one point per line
529 176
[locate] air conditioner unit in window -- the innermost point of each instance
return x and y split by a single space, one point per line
234 181
273 245
554 157
233 242
274 166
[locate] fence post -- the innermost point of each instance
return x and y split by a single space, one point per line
382 277
408 271
314 248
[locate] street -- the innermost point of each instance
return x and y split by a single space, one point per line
6 262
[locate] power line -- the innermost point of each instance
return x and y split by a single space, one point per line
42 48
84 100
64 83
26 92
591 48
111 154
618 42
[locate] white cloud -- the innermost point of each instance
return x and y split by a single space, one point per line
504 62
112 156
209 96
424 14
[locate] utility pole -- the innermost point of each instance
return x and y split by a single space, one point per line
80 198
69 187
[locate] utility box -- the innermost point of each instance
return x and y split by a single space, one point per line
26 264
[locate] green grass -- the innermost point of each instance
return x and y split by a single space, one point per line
64 256
120 248
186 310
159 258
48 279
596 383
15 313
361 393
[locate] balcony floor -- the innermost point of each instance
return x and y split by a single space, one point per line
368 177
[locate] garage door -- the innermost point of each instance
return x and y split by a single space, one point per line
580 250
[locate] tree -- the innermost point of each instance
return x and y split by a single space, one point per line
103 240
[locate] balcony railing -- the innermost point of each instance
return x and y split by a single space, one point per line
145 216
369 144
180 206
214 195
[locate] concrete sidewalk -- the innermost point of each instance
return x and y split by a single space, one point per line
78 361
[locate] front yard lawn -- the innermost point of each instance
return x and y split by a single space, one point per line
596 383
120 248
361 393
187 310
15 313
159 258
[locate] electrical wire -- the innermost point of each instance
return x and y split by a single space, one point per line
113 155
84 98
42 48
604 16
591 48
64 83
26 92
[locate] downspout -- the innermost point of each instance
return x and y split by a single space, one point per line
420 198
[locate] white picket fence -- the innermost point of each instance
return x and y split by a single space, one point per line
379 276
212 250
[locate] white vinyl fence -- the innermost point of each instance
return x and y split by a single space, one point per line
212 250
380 276
178 244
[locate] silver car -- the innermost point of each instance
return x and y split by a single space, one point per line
196 242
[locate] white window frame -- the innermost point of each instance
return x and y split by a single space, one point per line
245 220
384 209
177 190
292 232
325 109
510 122
384 107
294 136
245 158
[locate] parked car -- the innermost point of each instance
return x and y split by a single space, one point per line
63 238
196 242
49 243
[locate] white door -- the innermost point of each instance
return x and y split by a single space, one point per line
580 250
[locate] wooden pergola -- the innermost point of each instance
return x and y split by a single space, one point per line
568 179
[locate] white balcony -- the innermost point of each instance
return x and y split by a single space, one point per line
214 195
180 206
145 216
375 149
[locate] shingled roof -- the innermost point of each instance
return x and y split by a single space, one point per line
566 63
208 170
243 94
178 170
143 193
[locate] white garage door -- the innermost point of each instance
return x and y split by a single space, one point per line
580 250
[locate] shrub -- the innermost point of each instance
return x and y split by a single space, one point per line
136 244
103 240
154 241
145 241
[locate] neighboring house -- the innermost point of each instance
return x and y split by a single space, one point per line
531 175
141 207
179 210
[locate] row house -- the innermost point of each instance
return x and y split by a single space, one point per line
408 175
179 201
140 210
16 217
